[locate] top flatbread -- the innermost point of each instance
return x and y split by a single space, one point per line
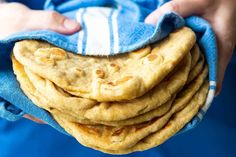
121 77
107 111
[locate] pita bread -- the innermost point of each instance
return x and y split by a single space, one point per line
175 124
106 79
158 112
109 137
118 138
87 109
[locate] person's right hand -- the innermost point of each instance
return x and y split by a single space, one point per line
15 17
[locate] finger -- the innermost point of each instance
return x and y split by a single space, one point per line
225 51
52 20
182 7
225 44
34 119
225 54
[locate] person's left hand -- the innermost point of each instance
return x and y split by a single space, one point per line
15 17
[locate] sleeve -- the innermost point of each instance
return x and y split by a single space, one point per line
9 111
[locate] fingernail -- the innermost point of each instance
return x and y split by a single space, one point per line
71 24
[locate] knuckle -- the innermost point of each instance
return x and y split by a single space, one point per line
174 6
52 13
50 18
54 18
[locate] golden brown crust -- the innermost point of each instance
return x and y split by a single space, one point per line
156 62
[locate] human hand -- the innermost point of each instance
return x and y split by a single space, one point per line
15 17
219 13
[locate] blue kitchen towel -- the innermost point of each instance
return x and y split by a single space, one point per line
109 27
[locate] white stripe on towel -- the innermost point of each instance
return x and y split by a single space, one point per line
98 34
115 32
212 83
81 34
209 99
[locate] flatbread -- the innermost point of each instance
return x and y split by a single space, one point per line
158 112
109 137
195 70
44 103
113 111
175 124
116 138
106 79
67 112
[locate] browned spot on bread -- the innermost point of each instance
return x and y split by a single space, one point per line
51 108
57 53
43 60
117 132
100 73
111 83
152 57
79 72
115 66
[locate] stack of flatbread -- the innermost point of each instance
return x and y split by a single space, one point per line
117 104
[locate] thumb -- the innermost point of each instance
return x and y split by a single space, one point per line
51 20
182 7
